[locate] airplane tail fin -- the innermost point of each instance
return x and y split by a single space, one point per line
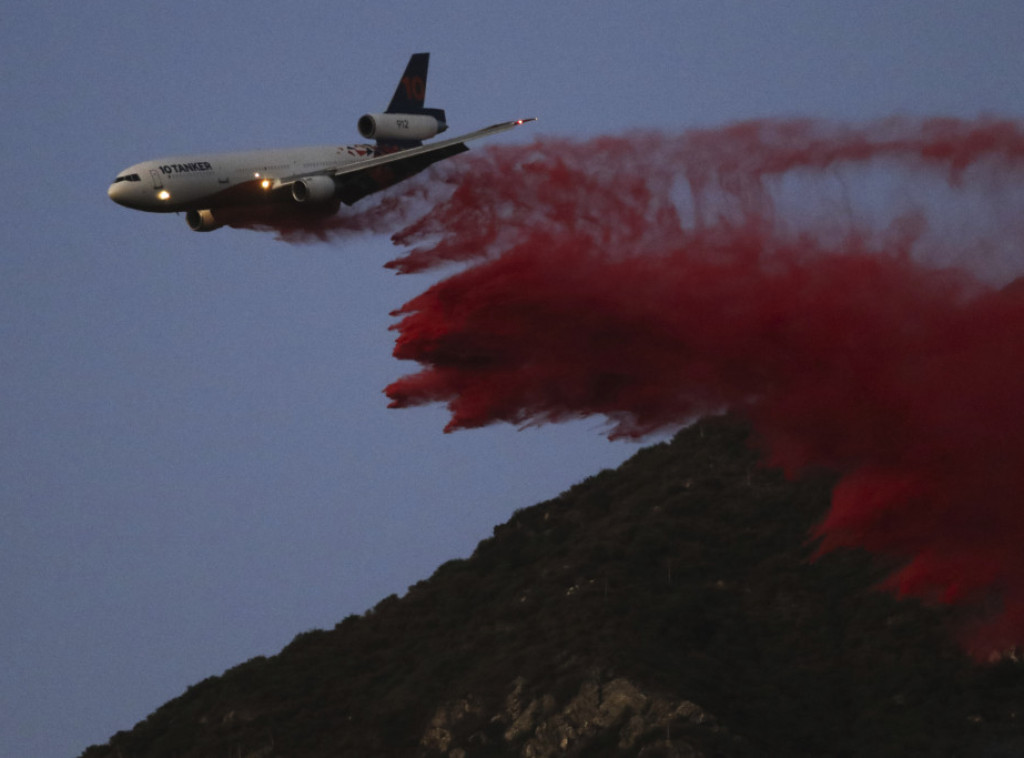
409 98
412 88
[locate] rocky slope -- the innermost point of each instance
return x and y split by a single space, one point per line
669 608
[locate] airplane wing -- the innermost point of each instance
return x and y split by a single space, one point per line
361 178
404 155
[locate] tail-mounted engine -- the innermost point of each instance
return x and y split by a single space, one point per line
401 126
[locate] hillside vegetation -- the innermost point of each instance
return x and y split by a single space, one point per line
670 607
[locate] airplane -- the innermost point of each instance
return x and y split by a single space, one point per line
217 189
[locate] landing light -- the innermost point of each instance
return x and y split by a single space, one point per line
164 195
265 184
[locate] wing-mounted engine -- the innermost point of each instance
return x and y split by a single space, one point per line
314 189
412 127
202 221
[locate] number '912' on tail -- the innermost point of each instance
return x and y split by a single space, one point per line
409 98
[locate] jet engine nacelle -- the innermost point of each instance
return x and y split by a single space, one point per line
406 126
313 189
201 221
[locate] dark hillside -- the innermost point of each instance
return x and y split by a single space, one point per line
666 608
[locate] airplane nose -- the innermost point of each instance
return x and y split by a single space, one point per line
121 193
116 192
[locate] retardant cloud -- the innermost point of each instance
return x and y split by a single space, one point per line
849 288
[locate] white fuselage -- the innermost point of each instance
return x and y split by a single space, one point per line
219 189
228 189
194 182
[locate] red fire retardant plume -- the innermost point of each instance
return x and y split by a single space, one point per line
847 288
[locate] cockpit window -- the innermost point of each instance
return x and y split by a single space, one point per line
128 178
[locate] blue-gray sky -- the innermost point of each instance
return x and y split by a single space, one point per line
196 458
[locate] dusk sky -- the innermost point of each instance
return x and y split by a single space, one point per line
197 461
